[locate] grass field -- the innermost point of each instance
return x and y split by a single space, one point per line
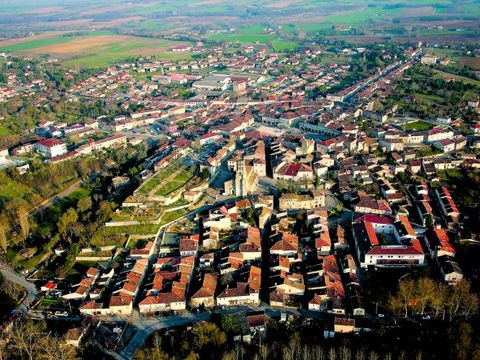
180 179
256 34
428 99
417 126
157 179
243 37
284 45
444 75
92 48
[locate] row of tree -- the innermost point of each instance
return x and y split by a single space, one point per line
32 341
426 296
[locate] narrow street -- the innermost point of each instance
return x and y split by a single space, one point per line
32 291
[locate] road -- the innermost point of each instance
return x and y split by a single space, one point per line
146 327
32 291
55 198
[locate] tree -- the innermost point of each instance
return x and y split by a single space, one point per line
438 302
208 336
23 222
66 220
27 341
394 304
56 349
425 293
84 204
406 290
227 322
3 237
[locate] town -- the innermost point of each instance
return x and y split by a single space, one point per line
246 186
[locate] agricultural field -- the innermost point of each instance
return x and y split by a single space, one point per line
274 22
92 49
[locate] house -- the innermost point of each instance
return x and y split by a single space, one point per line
343 325
446 202
450 270
121 304
293 172
169 301
238 295
439 243
298 202
51 148
205 296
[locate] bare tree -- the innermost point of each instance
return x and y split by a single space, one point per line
402 355
264 351
439 300
318 353
471 305
57 349
360 355
345 353
406 290
425 293
27 341
332 354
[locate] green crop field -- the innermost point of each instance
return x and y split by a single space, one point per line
93 48
33 44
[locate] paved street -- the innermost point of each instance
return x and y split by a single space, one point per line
32 292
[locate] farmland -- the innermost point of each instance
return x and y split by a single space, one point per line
431 19
92 48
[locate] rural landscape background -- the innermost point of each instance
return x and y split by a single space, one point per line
98 33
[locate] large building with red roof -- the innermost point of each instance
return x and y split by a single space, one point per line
382 241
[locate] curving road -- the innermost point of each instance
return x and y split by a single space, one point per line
32 291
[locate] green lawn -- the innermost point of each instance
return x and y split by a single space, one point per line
173 184
4 131
284 45
145 229
417 126
157 179
429 99
173 215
